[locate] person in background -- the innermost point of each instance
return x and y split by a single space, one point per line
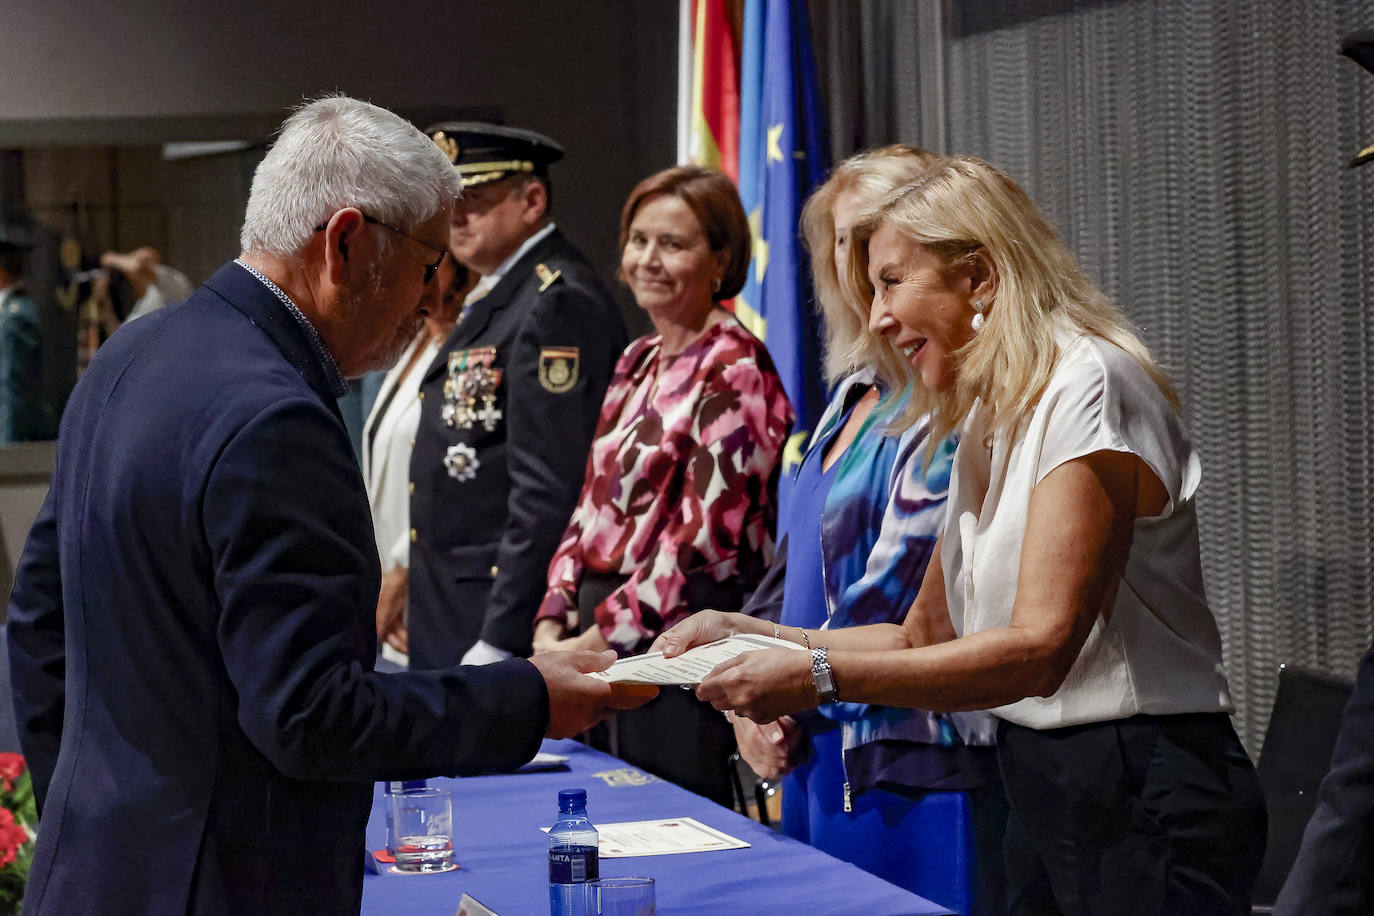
21 357
191 626
677 510
387 438
871 784
1065 593
152 283
508 407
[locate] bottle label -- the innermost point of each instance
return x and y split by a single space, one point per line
573 865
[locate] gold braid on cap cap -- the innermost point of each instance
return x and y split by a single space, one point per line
448 145
504 165
474 173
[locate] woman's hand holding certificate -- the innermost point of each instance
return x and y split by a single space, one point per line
688 667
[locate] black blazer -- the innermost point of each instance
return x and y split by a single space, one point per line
480 547
1334 872
192 633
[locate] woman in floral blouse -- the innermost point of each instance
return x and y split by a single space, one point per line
677 509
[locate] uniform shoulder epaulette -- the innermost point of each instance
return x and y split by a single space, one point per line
546 277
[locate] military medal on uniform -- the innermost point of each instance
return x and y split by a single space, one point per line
461 462
470 389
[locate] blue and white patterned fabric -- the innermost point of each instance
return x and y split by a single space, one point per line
882 518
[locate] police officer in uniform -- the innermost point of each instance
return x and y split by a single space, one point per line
22 416
508 408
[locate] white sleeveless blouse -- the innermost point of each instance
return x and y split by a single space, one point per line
1159 651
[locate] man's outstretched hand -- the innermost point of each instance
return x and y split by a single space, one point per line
576 701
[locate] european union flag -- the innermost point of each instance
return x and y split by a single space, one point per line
781 159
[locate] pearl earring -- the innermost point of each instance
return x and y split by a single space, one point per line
978 318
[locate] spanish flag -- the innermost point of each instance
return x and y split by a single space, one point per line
713 113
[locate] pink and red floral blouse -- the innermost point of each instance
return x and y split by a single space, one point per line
679 494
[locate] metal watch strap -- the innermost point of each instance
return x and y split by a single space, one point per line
822 677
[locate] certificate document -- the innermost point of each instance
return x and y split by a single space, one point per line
661 838
691 666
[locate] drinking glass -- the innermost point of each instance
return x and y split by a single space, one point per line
623 897
422 822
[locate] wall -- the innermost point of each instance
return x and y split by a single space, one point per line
598 77
75 74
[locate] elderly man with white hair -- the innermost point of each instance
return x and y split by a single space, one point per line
191 629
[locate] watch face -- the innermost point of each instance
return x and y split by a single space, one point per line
825 684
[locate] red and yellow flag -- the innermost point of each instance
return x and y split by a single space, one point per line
713 136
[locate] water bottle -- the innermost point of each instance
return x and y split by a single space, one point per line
573 862
389 789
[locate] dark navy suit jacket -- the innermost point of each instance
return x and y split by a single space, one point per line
192 639
1334 871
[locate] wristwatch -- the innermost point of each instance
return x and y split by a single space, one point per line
822 677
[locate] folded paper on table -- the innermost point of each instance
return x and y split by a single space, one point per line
666 837
543 761
690 667
469 905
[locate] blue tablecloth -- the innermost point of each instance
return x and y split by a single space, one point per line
504 854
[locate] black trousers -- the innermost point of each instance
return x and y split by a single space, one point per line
1147 815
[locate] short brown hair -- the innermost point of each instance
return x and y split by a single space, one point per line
712 197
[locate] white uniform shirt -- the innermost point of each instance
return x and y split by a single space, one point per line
1159 651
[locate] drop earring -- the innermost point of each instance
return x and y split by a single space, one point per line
978 317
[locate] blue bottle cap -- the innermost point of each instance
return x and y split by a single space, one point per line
572 798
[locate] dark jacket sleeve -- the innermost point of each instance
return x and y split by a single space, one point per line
287 525
1334 870
549 436
37 650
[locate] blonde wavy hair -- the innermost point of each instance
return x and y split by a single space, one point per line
963 206
872 174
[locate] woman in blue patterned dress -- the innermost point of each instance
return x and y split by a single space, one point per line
911 796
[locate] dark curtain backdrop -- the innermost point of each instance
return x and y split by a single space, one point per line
1192 153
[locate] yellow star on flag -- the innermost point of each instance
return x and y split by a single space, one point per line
760 244
775 143
792 451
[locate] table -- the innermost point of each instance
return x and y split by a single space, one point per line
504 854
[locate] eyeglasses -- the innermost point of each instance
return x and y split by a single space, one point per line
430 269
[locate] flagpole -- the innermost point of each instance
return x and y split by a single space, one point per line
684 81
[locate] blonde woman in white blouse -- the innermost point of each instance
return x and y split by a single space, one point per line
1066 592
